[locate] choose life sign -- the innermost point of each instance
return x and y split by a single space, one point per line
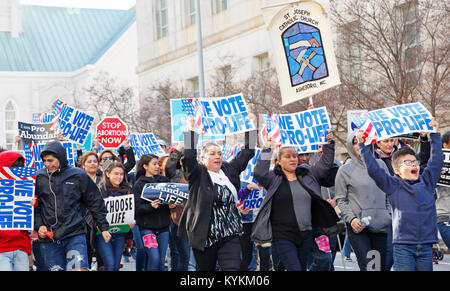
398 120
120 213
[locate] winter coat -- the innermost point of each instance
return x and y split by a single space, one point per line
195 220
358 196
64 196
146 216
414 211
323 214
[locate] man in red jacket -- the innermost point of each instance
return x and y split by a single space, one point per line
15 245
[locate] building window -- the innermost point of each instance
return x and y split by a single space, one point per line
261 64
10 125
190 12
193 87
219 5
162 19
411 43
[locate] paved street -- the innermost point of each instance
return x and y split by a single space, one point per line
443 265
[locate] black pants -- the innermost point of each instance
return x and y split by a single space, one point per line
226 251
365 242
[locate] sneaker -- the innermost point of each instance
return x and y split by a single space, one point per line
348 259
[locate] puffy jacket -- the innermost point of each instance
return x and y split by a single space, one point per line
64 196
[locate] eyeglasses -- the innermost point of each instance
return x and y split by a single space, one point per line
410 163
107 158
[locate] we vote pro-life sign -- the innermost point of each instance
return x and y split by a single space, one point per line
398 120
16 192
145 143
219 116
304 130
72 123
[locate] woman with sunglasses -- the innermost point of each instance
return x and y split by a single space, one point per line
152 218
107 156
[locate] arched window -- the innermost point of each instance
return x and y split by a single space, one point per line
10 124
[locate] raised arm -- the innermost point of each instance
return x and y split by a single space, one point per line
434 166
383 180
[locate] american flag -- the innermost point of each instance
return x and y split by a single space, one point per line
190 107
271 130
370 134
56 112
18 173
29 155
227 152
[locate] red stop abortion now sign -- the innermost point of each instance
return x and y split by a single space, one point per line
111 132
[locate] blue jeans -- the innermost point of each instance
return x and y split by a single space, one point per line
417 257
389 251
141 255
14 261
294 257
347 248
444 230
179 250
69 254
111 252
156 256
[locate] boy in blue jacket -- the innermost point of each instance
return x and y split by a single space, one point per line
412 198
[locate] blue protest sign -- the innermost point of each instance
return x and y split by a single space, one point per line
247 174
223 115
252 201
179 115
168 193
145 143
72 123
399 120
33 152
16 192
304 130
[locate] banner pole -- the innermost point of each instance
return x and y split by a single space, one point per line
201 73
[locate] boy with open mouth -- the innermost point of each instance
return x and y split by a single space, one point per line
412 199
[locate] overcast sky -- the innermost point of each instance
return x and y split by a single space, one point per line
107 4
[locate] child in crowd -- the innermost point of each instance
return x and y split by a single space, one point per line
412 199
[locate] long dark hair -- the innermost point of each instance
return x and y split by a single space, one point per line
124 186
144 160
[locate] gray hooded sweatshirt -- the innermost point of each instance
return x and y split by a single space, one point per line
358 196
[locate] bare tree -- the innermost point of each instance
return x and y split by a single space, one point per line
393 52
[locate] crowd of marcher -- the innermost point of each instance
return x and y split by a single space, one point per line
384 198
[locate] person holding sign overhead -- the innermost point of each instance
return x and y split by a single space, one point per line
114 184
210 220
153 219
293 206
411 196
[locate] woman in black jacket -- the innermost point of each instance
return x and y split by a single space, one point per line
292 208
153 219
210 219
114 184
